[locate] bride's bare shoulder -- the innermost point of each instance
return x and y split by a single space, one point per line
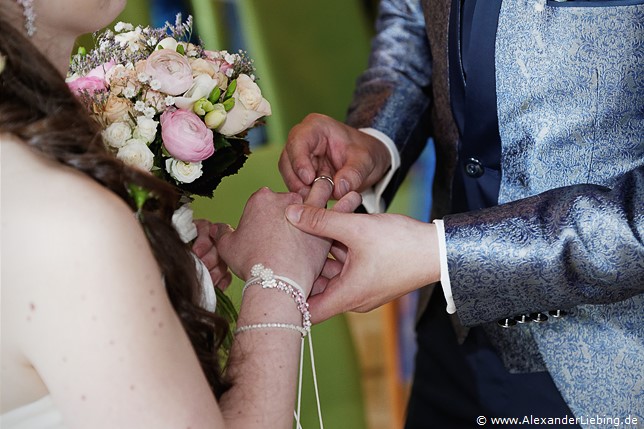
37 188
52 211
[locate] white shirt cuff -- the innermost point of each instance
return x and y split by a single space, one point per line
442 254
372 198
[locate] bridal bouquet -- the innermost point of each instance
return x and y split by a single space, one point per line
169 106
172 108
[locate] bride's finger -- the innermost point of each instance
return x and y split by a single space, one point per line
320 192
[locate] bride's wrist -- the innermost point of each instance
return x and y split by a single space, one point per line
270 299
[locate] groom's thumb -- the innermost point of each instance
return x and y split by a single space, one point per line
318 221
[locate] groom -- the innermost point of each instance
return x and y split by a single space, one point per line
521 97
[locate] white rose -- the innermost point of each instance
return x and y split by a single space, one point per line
202 86
249 107
146 129
182 222
183 172
136 153
117 134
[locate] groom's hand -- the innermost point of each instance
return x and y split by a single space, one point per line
386 256
318 144
204 248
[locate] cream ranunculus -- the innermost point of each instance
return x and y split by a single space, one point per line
202 86
183 172
249 107
117 134
136 153
169 72
146 129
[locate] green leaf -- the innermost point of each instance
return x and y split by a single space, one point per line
181 49
220 142
229 104
231 89
214 95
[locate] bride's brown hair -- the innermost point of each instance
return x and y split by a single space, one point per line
37 106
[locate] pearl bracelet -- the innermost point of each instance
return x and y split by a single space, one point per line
268 280
271 326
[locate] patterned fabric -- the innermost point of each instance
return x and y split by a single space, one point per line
570 235
560 73
571 111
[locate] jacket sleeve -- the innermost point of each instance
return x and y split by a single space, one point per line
575 245
393 94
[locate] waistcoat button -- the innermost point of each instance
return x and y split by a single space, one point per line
473 168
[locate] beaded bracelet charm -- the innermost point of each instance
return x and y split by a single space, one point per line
268 280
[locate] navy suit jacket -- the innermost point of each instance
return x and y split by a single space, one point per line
569 228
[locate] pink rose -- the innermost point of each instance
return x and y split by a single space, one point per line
185 136
169 72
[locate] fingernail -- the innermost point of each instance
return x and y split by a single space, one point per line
294 213
304 176
344 187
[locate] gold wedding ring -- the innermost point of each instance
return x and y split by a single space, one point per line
330 180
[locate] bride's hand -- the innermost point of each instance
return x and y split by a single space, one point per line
265 236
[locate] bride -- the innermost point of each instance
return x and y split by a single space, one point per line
101 323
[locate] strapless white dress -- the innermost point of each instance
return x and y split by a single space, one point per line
40 414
